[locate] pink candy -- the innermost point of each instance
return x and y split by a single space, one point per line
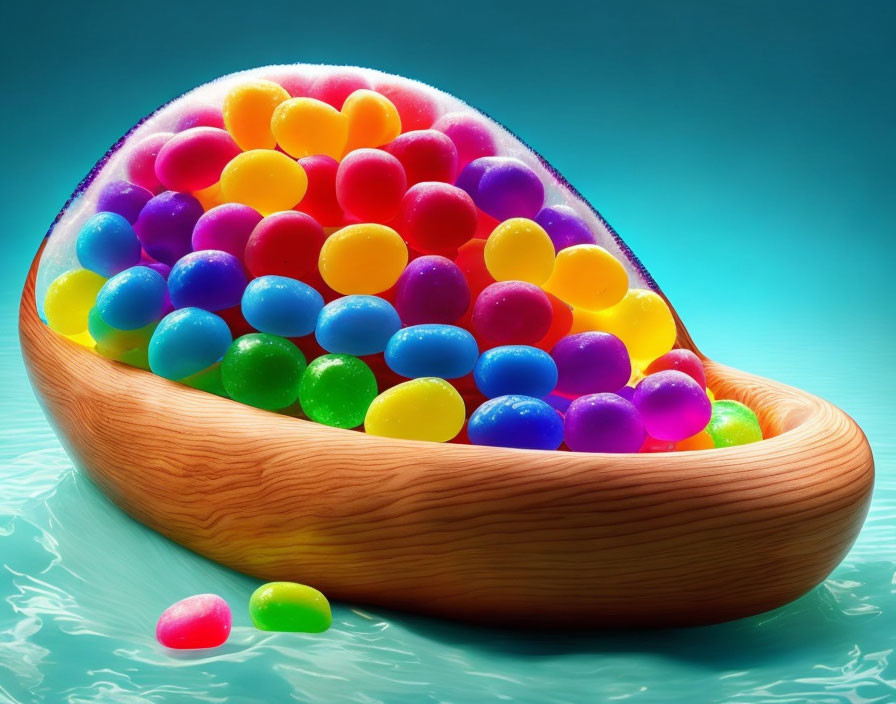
427 155
336 87
200 621
470 135
370 184
194 159
141 166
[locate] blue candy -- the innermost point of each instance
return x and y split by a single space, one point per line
356 325
186 342
281 306
132 299
107 244
516 421
208 279
515 369
444 351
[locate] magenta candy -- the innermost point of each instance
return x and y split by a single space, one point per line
226 227
141 162
200 621
512 313
432 289
564 227
165 225
673 405
427 155
503 187
591 362
123 198
370 184
603 423
471 135
682 361
200 116
194 159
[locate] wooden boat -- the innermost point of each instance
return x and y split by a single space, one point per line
488 535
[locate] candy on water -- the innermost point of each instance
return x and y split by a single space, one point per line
335 87
289 607
515 370
436 218
587 276
124 198
69 300
603 423
357 325
733 423
416 110
370 184
200 116
337 390
519 249
591 362
471 135
107 244
320 200
432 289
366 258
165 225
419 409
226 227
512 313
263 370
503 187
285 244
187 341
372 120
516 421
200 621
264 179
564 227
209 279
672 405
281 306
308 127
443 351
132 298
682 361
248 108
141 161
426 155
194 159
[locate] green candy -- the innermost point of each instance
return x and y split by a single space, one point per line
291 607
127 346
336 390
732 423
262 370
208 380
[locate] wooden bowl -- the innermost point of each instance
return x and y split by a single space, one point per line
493 535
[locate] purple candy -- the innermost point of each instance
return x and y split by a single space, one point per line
603 423
627 392
673 405
432 289
208 279
165 225
591 362
503 187
123 198
557 402
564 227
227 228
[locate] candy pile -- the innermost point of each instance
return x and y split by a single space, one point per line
342 252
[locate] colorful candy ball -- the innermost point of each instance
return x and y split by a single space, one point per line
515 370
248 109
124 198
209 279
370 185
140 168
436 218
200 621
263 370
107 244
419 409
226 227
732 423
516 421
519 249
564 227
471 135
266 180
680 360
357 325
426 155
432 289
372 120
187 341
603 423
165 225
591 362
284 244
289 607
132 298
69 299
281 306
587 276
194 159
363 259
308 127
443 351
503 187
672 405
337 390
512 313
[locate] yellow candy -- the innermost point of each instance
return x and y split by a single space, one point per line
642 320
84 339
589 277
210 197
248 108
372 120
264 179
305 127
364 259
519 250
69 300
420 409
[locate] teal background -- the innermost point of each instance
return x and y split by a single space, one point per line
745 150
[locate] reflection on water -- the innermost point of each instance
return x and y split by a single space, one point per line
82 586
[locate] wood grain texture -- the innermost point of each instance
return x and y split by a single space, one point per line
527 538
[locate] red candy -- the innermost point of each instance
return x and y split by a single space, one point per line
560 323
141 166
512 313
334 88
284 244
194 159
485 224
680 360
417 112
320 200
471 261
370 184
437 218
427 155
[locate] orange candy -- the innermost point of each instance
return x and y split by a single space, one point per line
372 120
248 108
